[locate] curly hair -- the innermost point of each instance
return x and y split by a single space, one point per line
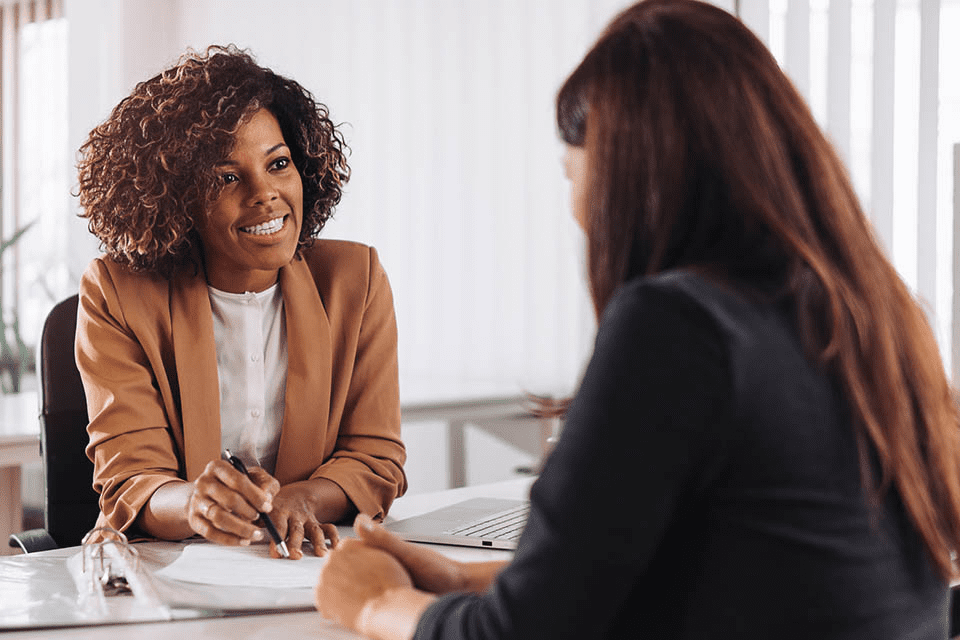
147 172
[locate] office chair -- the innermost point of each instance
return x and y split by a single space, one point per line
70 505
954 612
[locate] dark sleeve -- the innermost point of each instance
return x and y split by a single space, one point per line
639 436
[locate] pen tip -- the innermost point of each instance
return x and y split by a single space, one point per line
282 547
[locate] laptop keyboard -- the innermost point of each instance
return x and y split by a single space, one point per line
506 525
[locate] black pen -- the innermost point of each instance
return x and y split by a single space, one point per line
267 522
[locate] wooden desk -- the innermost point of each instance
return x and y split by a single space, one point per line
19 445
41 580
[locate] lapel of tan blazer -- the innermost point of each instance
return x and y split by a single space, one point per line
309 363
195 353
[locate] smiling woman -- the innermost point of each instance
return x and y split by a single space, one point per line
217 320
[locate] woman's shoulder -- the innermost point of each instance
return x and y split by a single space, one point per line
339 253
685 283
670 293
727 306
344 271
105 273
113 293
663 307
338 264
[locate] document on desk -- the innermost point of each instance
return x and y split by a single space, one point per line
213 564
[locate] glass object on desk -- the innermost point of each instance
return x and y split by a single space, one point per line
550 412
550 409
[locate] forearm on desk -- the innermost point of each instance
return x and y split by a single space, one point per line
165 514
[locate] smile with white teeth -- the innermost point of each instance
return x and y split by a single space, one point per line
265 228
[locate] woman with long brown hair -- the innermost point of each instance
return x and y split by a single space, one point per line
764 443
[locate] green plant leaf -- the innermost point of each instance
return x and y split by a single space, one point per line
12 240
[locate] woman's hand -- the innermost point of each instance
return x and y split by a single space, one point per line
304 511
380 585
354 576
429 570
225 503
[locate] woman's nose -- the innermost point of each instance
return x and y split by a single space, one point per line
262 190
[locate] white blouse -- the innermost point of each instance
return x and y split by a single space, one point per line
251 336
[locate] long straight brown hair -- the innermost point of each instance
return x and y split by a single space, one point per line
701 153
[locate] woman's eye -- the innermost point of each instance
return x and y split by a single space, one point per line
228 178
281 163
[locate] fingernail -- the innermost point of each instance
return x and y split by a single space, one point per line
258 535
245 542
267 507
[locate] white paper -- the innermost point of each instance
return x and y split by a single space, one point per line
207 563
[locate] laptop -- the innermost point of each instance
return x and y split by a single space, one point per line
493 523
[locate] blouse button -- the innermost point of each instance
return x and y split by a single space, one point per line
255 413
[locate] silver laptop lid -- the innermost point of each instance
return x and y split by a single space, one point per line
492 523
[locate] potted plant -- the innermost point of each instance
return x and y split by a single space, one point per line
15 356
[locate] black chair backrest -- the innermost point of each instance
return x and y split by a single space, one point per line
71 505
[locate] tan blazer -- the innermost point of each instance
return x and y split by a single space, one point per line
146 353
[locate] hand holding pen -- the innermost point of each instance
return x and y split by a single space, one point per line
264 518
228 499
225 503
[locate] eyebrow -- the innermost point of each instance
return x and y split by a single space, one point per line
227 163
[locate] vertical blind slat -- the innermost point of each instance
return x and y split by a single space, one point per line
25 13
839 56
881 182
13 15
927 151
798 45
955 320
756 15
